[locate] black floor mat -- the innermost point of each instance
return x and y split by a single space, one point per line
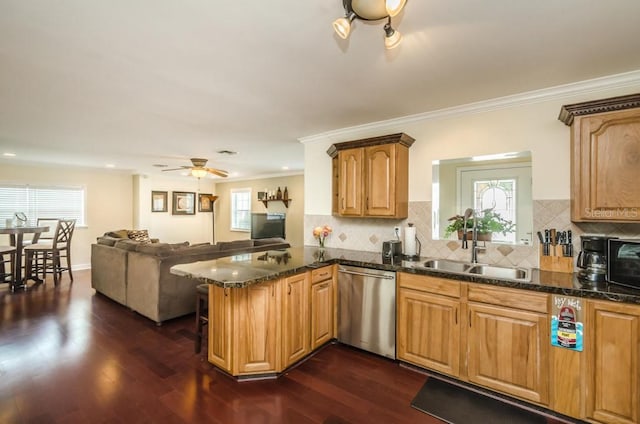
457 405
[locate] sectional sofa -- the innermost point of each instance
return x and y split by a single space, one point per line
136 274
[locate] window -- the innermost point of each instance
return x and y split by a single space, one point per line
241 209
42 202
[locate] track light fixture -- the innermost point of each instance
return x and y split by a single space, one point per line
371 10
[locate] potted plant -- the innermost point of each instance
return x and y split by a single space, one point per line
489 222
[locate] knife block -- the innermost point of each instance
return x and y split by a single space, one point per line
555 262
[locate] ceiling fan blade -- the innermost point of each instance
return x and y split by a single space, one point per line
218 172
177 169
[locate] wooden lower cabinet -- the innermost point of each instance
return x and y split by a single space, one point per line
429 331
256 333
321 312
265 327
613 362
295 319
508 351
220 327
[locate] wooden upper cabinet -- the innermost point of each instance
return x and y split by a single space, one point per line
350 182
605 151
371 177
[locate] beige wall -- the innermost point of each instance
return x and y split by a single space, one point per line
294 213
108 197
531 124
164 225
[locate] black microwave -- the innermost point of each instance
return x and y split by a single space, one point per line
623 262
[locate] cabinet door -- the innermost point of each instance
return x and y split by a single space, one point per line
508 350
606 148
380 188
220 327
257 315
613 373
321 313
429 331
295 318
350 182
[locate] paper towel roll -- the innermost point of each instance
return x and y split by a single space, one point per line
410 241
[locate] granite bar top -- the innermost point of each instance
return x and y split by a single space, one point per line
251 268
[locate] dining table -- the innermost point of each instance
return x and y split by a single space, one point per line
16 239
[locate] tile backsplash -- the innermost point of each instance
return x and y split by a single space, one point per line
369 233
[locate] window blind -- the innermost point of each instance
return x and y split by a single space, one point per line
42 202
241 209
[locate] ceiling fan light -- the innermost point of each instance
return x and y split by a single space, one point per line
394 6
392 37
342 26
199 173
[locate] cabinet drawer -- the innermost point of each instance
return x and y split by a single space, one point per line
426 283
321 274
511 298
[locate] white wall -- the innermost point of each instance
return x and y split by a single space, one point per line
530 126
108 197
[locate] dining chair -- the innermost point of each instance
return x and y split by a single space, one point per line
46 258
7 264
47 236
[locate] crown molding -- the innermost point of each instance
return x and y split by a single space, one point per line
595 85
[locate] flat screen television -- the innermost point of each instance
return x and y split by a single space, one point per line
267 225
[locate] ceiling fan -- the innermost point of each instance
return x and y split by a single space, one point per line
199 169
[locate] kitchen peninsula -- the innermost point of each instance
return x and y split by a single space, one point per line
272 309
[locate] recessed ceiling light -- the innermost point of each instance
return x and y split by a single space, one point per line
284 168
9 155
110 165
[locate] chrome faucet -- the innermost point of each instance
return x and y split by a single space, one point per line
474 239
468 213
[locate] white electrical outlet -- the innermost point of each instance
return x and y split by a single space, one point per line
396 232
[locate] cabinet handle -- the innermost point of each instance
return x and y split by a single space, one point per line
289 290
469 318
225 292
367 203
456 316
324 285
273 290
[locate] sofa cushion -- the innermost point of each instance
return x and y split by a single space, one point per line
139 235
107 241
236 244
126 244
160 248
121 234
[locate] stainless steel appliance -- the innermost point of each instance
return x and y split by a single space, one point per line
367 309
392 252
592 259
623 262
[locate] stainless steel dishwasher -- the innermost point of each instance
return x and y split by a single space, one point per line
367 309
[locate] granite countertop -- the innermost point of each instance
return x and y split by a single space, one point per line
251 268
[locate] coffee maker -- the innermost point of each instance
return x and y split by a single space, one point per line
391 252
592 259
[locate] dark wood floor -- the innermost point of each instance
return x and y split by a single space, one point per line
68 355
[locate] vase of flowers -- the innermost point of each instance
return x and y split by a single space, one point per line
321 233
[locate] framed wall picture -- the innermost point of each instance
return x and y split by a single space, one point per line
204 202
158 201
184 203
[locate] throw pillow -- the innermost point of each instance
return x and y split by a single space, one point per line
123 234
139 235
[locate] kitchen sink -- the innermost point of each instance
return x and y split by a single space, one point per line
500 272
484 270
447 265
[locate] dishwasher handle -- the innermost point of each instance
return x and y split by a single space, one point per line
364 274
